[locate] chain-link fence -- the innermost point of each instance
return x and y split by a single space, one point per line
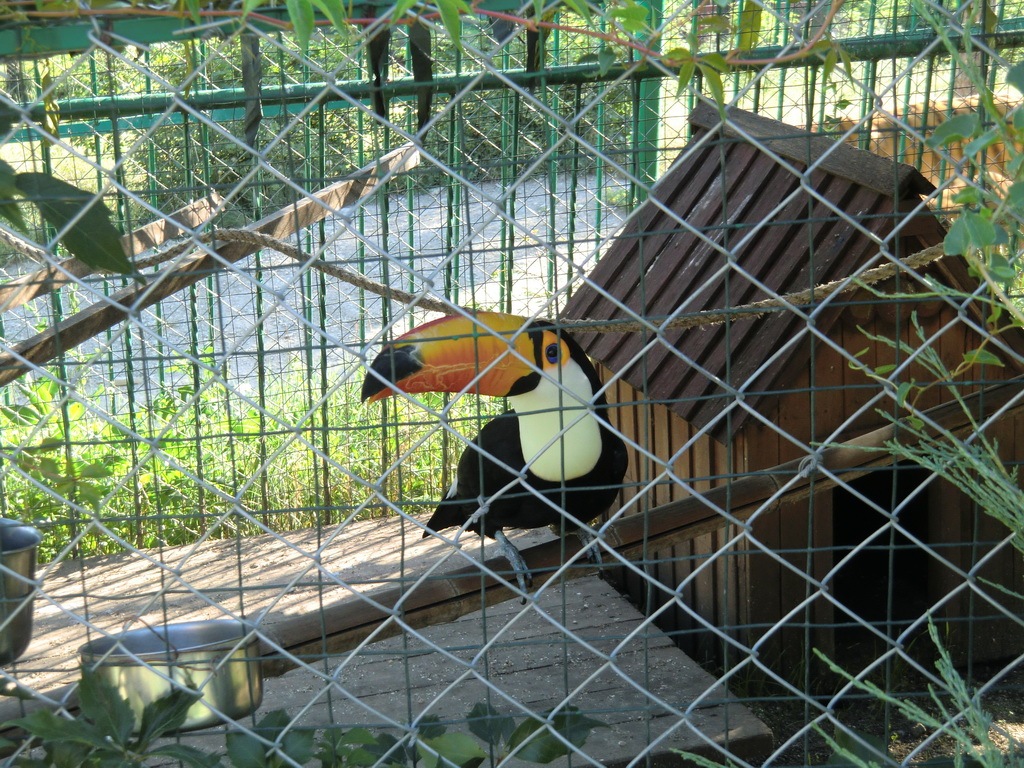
785 236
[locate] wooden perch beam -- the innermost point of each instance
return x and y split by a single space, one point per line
104 315
343 625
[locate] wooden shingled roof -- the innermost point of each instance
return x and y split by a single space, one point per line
689 248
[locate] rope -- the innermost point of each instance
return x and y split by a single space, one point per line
757 309
749 311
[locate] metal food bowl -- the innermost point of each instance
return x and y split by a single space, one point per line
201 655
18 545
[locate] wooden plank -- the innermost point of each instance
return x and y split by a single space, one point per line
104 315
15 293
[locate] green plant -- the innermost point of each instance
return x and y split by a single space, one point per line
105 734
956 712
533 739
991 207
66 464
271 744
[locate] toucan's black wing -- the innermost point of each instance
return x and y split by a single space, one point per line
378 49
481 473
420 44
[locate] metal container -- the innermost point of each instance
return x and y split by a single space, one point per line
201 655
18 545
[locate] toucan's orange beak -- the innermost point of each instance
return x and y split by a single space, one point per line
454 354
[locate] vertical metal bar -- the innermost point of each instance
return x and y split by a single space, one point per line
648 121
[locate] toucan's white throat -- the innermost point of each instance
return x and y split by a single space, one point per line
558 430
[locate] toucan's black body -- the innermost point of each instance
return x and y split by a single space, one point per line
484 470
559 420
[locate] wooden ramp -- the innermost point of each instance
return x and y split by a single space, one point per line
536 664
580 640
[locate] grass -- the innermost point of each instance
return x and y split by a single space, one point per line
209 461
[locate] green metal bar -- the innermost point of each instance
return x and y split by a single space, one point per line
858 49
647 139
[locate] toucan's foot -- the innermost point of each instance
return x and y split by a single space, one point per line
515 559
589 541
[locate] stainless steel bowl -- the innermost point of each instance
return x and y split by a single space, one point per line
18 545
201 655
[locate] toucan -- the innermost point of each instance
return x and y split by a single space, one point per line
554 457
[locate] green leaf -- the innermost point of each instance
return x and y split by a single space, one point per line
82 217
456 748
983 142
429 727
537 742
489 726
574 726
186 755
903 392
954 129
298 745
300 13
631 17
1000 269
451 16
844 55
67 755
1015 196
967 196
333 10
581 9
714 82
542 747
355 748
606 59
167 713
829 65
684 60
980 231
750 25
245 751
982 356
524 731
273 724
957 241
47 727
102 704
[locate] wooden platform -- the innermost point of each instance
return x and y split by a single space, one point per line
580 641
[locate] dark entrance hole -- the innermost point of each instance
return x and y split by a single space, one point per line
887 579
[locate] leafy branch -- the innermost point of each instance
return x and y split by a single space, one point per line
80 218
622 25
991 205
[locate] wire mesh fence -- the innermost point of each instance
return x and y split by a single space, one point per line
784 234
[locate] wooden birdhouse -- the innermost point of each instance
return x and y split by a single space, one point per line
755 210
